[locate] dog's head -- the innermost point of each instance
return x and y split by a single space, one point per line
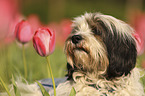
100 44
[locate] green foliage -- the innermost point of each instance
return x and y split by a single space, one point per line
16 91
12 63
73 92
5 87
44 92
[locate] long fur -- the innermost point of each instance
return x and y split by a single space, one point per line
123 86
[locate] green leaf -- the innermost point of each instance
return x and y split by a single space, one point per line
44 92
4 85
73 92
16 91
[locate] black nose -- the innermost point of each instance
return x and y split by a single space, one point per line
76 39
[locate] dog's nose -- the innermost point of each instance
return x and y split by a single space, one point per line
76 39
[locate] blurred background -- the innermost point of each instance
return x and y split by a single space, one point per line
57 14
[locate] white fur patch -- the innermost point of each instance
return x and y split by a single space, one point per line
124 86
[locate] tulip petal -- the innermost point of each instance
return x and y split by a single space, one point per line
38 44
52 41
25 32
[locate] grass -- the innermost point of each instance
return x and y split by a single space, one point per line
11 62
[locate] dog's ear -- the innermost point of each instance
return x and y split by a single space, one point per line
121 54
120 46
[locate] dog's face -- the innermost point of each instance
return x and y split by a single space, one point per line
100 44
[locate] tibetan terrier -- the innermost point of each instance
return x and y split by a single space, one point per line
101 58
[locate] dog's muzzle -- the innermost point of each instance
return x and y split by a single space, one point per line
76 39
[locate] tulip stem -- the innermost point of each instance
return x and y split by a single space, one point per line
50 71
24 62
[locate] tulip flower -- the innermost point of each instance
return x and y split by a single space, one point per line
138 23
23 32
139 44
44 44
44 41
8 11
10 37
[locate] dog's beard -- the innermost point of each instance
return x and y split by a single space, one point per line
77 54
88 56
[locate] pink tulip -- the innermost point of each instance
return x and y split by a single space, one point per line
139 44
8 11
44 41
10 36
23 32
66 28
138 22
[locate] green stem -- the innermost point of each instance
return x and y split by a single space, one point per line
50 71
4 85
24 62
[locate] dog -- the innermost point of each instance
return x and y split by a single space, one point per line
101 54
101 57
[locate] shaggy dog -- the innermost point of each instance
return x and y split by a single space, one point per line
101 57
